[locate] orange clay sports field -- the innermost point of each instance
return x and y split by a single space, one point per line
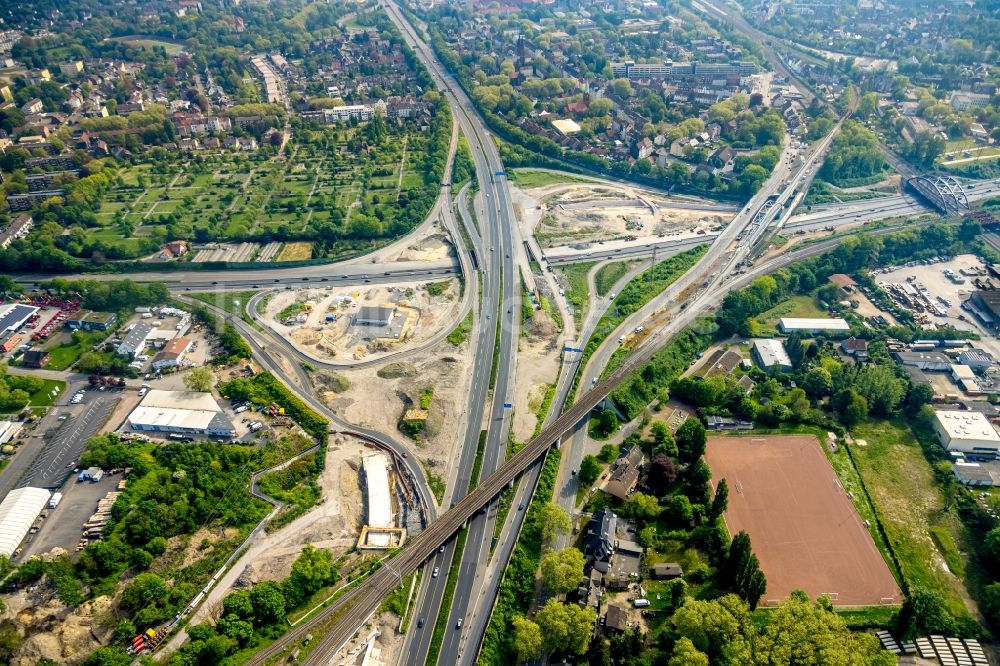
808 536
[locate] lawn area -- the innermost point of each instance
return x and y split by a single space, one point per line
171 48
298 251
608 274
461 332
796 306
576 290
225 300
911 508
43 397
66 354
528 178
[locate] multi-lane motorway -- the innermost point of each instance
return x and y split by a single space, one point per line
498 329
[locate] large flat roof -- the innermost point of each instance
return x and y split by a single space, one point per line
167 417
17 514
772 352
14 315
813 324
967 425
195 400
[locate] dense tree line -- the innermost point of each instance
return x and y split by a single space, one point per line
854 155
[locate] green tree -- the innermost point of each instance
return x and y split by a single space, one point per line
590 469
691 440
686 654
924 612
565 627
312 571
145 589
817 383
598 654
607 422
200 379
562 570
642 506
721 500
742 570
268 603
918 396
527 638
552 521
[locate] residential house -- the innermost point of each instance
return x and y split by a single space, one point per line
32 106
599 543
18 228
616 619
625 473
722 157
34 358
855 347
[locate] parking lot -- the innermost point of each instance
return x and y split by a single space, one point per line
63 525
63 448
942 289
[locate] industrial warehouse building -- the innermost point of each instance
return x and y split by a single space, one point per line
770 353
373 316
18 512
15 315
134 342
967 432
183 412
812 325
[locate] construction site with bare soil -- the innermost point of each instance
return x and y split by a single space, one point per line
421 396
574 213
362 322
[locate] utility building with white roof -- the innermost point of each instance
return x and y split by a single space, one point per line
186 412
18 512
967 432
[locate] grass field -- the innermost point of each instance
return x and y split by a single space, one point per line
528 178
66 354
299 251
911 508
171 48
43 397
576 291
796 306
232 302
608 274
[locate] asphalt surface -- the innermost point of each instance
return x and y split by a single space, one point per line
62 451
376 273
501 303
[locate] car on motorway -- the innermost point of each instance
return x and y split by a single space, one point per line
441 549
420 623
520 507
437 570
458 625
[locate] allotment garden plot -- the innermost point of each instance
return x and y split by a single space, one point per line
234 196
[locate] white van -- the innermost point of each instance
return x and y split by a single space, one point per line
640 603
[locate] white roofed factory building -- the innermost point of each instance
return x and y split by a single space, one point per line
812 325
770 353
184 412
18 513
970 433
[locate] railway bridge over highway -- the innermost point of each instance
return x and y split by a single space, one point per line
942 191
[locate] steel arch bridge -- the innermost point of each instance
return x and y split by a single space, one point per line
942 191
